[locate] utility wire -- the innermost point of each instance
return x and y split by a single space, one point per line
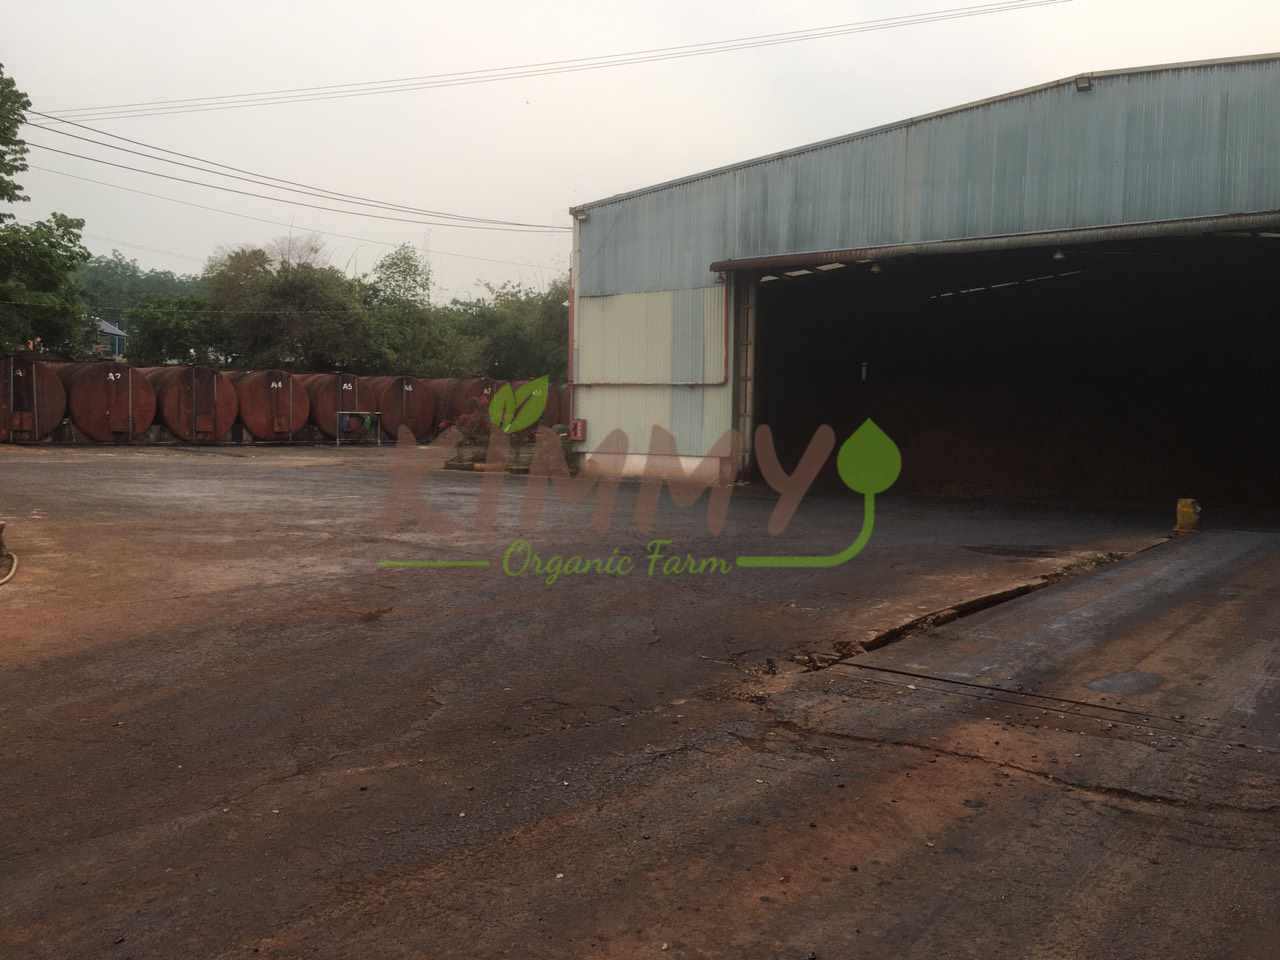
124 243
258 180
706 44
278 179
540 73
292 186
296 203
282 223
137 246
152 108
801 34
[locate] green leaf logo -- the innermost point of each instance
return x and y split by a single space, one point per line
516 410
869 461
503 406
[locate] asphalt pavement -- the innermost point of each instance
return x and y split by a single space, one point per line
227 733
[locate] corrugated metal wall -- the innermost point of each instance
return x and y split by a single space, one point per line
1149 145
653 358
666 337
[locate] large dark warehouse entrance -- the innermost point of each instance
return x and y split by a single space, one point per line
1123 372
1059 292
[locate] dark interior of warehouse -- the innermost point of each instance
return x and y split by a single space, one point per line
1112 373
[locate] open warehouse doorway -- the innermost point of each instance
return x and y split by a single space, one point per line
1120 372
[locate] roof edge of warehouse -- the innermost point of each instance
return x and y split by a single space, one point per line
1066 237
897 124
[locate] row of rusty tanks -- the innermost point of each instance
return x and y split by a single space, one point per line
106 402
113 402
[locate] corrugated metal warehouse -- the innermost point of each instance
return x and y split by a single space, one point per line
1063 290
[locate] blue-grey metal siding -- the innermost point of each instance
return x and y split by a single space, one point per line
1157 144
688 362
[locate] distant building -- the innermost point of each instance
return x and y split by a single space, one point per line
110 341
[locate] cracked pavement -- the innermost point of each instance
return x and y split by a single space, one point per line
226 734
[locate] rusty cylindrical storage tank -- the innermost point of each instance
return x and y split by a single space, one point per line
470 395
33 400
109 402
441 390
402 401
196 404
551 412
331 392
273 403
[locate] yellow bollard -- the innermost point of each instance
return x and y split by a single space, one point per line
1188 518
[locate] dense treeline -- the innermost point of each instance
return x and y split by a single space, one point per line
279 306
282 305
285 306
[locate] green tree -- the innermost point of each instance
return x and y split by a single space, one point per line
13 151
408 335
320 320
38 301
402 276
548 320
38 296
288 311
236 286
111 286
176 330
522 332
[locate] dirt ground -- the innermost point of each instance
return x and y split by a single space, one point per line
227 732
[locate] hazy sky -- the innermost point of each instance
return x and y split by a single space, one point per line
526 149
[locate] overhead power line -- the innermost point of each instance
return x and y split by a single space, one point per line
138 246
282 223
295 203
263 181
153 108
293 183
123 243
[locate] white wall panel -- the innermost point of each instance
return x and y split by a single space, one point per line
651 359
